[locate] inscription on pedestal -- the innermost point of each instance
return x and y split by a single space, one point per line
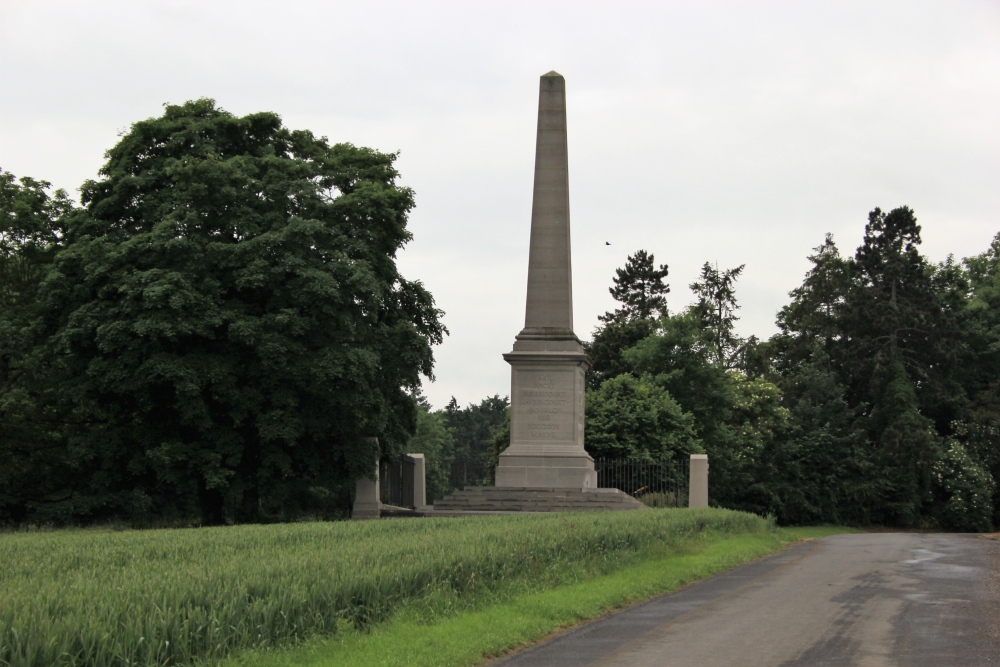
546 405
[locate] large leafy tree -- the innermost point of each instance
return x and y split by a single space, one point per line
31 465
31 222
30 234
611 340
233 326
979 321
980 325
679 359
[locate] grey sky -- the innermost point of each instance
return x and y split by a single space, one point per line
730 132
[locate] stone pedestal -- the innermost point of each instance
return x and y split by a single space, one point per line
546 418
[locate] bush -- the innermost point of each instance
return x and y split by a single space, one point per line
629 417
964 491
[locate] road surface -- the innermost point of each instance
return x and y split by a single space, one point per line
870 600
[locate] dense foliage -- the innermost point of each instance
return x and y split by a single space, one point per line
474 428
878 402
218 333
436 442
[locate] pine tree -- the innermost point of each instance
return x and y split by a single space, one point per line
716 307
815 311
639 286
898 349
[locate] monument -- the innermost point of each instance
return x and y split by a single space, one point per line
547 364
545 468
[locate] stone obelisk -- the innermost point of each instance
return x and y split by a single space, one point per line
547 364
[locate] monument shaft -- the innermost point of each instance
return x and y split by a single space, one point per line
550 282
548 362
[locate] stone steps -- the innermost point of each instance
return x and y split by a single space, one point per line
519 499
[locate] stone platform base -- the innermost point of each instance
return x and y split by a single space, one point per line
522 499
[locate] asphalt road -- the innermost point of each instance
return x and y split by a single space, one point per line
867 600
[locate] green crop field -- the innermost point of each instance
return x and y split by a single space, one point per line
165 597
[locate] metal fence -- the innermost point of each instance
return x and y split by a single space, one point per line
396 482
467 472
661 483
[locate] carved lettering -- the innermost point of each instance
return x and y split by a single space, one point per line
547 406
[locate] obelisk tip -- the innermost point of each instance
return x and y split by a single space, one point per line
553 73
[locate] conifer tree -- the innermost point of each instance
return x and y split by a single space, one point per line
641 289
716 307
639 286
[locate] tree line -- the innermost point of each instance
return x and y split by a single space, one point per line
877 401
219 333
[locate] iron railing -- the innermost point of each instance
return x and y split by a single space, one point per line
662 483
467 472
396 482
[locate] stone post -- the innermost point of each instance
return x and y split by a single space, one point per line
419 481
367 494
698 481
366 499
548 362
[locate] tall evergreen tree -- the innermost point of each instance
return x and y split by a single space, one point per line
898 351
892 310
816 308
639 286
832 474
641 289
716 306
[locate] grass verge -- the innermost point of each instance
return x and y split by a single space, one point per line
470 638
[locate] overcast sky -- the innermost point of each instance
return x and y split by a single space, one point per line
729 132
